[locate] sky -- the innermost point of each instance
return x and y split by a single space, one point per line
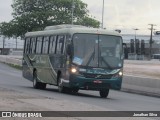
118 14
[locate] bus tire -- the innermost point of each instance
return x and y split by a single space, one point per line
61 88
75 90
36 84
104 93
43 86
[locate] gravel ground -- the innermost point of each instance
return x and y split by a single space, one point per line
16 101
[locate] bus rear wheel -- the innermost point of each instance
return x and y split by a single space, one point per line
36 84
104 93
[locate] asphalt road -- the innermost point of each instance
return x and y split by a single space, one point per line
11 78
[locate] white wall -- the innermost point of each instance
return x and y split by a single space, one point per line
11 43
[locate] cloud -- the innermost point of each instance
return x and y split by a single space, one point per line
126 14
5 10
122 14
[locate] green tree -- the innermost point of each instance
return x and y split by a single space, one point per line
89 22
33 15
12 29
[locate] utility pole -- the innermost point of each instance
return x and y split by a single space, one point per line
16 43
151 40
73 7
102 14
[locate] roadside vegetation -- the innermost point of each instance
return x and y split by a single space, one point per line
13 65
35 15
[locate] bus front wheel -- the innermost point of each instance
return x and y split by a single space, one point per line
61 88
104 93
75 90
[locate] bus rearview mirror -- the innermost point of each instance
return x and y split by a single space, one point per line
69 49
124 44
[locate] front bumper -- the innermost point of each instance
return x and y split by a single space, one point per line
81 82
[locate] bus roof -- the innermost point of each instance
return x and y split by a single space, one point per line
71 30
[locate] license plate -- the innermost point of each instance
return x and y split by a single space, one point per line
97 81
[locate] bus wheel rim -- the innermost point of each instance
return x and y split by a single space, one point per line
60 84
34 81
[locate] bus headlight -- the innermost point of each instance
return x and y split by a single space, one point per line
73 70
120 73
117 75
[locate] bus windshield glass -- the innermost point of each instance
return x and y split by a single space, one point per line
93 50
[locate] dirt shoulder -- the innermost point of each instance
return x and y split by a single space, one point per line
139 68
11 100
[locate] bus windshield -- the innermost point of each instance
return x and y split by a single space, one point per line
93 50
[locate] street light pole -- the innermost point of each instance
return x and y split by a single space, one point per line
102 13
135 32
135 39
151 41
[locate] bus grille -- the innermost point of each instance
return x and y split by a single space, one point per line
86 75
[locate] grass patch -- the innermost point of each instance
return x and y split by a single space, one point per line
15 66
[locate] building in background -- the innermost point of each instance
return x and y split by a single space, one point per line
9 45
134 50
139 48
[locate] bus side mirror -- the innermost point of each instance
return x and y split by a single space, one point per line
124 44
69 49
125 50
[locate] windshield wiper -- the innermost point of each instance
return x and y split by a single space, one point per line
106 63
91 57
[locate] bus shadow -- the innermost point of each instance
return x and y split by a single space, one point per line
79 94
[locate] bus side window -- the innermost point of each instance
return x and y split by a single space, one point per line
27 45
39 44
45 45
33 45
60 45
52 44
